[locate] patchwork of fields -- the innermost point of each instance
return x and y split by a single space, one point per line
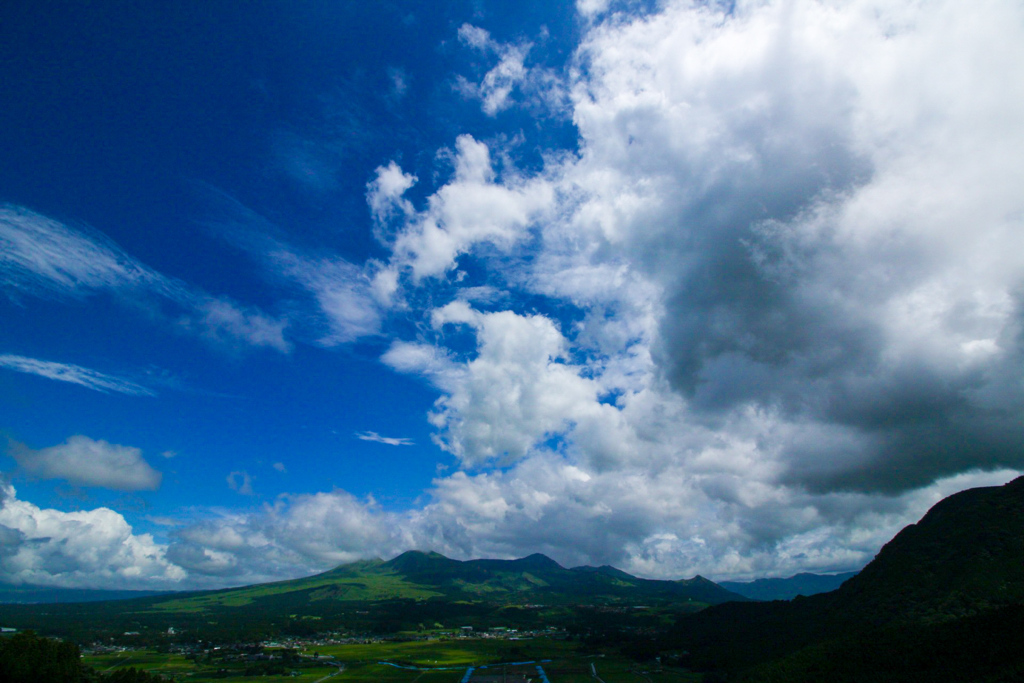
434 661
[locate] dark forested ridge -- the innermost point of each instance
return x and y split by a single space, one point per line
957 573
985 648
965 556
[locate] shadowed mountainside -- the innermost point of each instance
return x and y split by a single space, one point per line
964 558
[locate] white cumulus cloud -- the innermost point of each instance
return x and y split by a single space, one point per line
87 549
87 462
792 234
472 209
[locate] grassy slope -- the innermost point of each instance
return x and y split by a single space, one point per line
371 585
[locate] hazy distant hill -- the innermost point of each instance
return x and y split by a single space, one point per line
29 594
964 558
787 589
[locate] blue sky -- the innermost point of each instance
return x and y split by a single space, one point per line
680 287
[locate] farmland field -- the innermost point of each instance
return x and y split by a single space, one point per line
434 661
460 652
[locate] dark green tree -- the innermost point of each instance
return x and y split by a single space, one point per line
28 658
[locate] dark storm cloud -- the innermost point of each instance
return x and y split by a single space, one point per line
803 254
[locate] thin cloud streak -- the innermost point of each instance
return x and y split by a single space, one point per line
74 374
389 440
45 258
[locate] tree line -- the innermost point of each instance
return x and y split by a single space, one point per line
29 658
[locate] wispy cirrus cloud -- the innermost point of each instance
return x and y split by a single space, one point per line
74 374
45 258
389 440
338 303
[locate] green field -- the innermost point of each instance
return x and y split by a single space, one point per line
442 661
181 669
459 652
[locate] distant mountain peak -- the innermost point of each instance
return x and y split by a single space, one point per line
419 553
419 561
697 579
539 560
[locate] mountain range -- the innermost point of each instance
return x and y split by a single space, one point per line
942 601
786 589
417 575
405 593
761 589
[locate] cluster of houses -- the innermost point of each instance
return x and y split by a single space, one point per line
271 649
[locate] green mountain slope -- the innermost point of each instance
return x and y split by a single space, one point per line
418 575
410 592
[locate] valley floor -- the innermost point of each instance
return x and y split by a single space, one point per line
432 661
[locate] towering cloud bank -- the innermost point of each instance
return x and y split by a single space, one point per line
825 193
792 238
